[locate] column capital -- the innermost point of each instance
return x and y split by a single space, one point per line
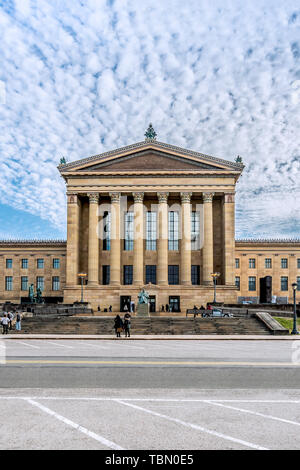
228 197
72 198
186 197
93 198
115 197
138 197
207 197
162 197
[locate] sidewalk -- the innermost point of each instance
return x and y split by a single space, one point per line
17 336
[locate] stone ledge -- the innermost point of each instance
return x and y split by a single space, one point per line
272 324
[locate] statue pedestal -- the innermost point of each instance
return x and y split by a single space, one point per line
142 310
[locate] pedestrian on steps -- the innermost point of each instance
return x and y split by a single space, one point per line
118 326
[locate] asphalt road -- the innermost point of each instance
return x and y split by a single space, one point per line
160 364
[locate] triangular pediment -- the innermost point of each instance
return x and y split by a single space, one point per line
149 156
149 160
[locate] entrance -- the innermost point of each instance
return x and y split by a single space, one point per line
152 303
125 300
174 302
265 294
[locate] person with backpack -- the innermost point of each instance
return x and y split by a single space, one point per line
18 322
127 324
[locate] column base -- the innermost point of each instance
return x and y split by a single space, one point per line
93 284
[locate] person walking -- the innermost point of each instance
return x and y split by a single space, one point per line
127 324
18 322
4 323
118 326
10 317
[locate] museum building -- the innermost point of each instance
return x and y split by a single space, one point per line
151 215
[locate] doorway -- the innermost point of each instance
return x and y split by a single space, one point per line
174 302
125 300
265 292
152 303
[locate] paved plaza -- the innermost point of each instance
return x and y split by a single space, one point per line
134 395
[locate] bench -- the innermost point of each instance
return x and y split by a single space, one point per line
195 311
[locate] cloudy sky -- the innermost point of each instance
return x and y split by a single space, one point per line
79 78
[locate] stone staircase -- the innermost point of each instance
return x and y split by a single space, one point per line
145 326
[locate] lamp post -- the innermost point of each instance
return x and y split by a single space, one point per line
295 331
82 276
215 277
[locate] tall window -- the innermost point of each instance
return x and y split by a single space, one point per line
173 274
128 241
237 263
268 263
40 263
151 274
195 272
173 231
252 263
238 282
284 283
40 282
9 263
252 283
105 275
24 263
298 283
56 263
284 263
24 283
55 283
128 274
298 263
195 230
151 231
8 283
106 230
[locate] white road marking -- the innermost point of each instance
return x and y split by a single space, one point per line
194 426
30 345
163 400
256 413
97 437
61 345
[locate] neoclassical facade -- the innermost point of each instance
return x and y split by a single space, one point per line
156 216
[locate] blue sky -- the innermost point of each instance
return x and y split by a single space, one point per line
80 78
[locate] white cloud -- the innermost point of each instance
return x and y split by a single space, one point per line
82 78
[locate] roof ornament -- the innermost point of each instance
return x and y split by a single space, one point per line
62 161
239 159
150 133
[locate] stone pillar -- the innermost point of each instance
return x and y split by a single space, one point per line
138 242
229 239
162 241
207 251
185 247
115 248
72 262
93 253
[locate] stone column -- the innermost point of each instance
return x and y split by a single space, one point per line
115 248
229 239
185 247
93 252
162 241
72 262
138 242
207 251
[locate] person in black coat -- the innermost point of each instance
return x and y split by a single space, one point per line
118 326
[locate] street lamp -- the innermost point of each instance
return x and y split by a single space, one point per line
215 277
82 276
295 331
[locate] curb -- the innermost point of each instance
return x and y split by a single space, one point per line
157 338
